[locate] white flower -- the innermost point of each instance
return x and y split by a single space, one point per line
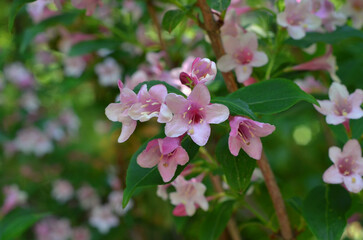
108 72
62 191
103 219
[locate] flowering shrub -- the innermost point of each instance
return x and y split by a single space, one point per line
230 112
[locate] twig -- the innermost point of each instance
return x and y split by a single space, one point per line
213 31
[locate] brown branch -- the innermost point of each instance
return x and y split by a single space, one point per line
213 30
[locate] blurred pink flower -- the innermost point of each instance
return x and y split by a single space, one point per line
239 6
74 66
161 191
231 25
167 153
138 77
13 198
89 5
325 10
81 233
202 71
189 193
310 85
118 112
151 104
194 114
115 202
62 191
88 197
29 101
19 75
32 140
341 106
39 10
241 55
354 9
53 229
103 219
245 133
108 72
347 168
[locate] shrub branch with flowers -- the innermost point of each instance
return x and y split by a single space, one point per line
214 129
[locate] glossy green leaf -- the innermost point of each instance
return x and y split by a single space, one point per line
17 222
216 221
90 46
16 5
219 5
356 126
238 170
30 33
236 106
272 96
324 210
171 19
140 177
151 83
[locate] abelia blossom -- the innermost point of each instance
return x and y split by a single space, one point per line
32 140
108 72
115 201
167 153
74 66
151 104
241 55
310 85
89 5
62 191
298 18
325 10
13 198
246 133
118 112
231 24
347 168
341 106
39 10
103 219
189 193
53 229
19 75
29 101
70 121
88 197
202 71
194 114
136 78
354 9
326 62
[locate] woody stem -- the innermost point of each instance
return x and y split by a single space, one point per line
213 30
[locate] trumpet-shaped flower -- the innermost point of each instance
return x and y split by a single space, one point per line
194 114
166 153
118 112
189 193
151 104
242 55
13 198
347 168
202 71
245 133
341 106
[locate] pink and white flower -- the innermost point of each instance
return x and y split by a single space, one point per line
325 10
19 75
136 78
103 219
202 71
231 25
194 114
241 55
108 72
347 168
118 112
151 104
32 140
354 9
13 197
29 101
74 66
298 18
62 190
167 153
115 201
341 106
53 229
246 133
189 193
310 85
88 197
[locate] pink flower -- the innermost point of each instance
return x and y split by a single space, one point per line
298 18
347 168
231 24
89 5
189 193
32 140
108 72
325 10
151 104
161 191
51 229
81 233
87 197
19 75
326 62
115 202
39 10
136 78
103 219
245 133
354 9
118 112
341 106
310 85
74 66
62 191
239 6
202 71
13 198
166 153
194 114
242 55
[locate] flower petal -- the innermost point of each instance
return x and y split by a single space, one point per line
332 175
334 154
216 113
259 59
352 148
254 148
353 183
180 156
334 119
127 129
296 32
167 168
168 144
176 127
176 103
326 107
150 156
165 115
226 63
200 133
159 92
338 93
234 144
243 73
200 95
113 111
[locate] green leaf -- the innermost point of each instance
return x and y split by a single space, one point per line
13 225
356 126
324 210
339 132
337 36
16 5
140 177
171 19
236 106
90 46
219 5
238 170
216 221
272 96
151 83
30 33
